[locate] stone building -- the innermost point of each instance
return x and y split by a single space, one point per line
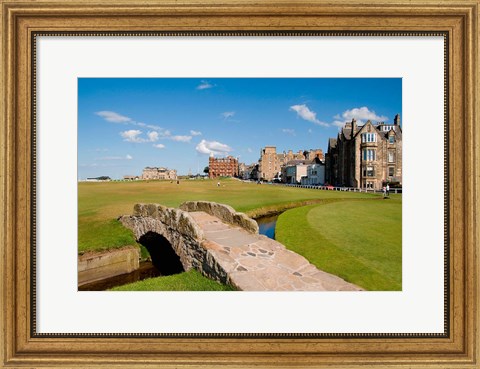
247 171
222 167
315 175
365 156
294 170
159 173
271 163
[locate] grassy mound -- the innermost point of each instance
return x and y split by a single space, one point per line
360 241
186 281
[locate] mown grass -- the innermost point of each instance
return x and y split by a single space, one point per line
187 281
360 241
101 203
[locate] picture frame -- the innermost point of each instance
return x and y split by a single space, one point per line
23 347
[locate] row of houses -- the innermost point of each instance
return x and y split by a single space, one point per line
361 156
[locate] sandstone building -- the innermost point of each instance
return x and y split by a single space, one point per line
271 163
365 156
222 167
159 173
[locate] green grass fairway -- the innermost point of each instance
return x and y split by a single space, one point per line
187 281
360 241
329 233
101 203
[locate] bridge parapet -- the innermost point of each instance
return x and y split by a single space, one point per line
224 212
177 219
203 240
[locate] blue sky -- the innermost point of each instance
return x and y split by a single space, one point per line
126 124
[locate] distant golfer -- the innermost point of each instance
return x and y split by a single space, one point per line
384 191
218 184
388 190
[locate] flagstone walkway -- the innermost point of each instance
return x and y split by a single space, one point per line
256 263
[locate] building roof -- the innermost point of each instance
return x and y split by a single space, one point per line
332 142
347 132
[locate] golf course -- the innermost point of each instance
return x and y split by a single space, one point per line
356 236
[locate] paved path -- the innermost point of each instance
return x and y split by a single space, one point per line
257 263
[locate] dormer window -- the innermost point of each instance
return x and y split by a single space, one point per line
369 137
391 139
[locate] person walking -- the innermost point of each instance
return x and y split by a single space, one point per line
388 190
384 191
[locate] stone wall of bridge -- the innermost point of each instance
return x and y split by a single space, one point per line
225 246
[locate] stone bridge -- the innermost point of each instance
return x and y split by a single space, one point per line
224 245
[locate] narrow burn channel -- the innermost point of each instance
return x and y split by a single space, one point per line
164 261
146 270
267 224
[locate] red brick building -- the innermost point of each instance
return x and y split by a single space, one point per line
222 167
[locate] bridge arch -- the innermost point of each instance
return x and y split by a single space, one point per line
224 245
164 257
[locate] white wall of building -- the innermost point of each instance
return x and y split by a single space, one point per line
315 175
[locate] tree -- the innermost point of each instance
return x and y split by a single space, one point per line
206 170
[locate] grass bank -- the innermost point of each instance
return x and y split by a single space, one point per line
187 281
101 203
360 241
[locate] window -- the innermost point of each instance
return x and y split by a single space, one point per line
368 155
369 137
391 139
370 172
391 156
391 171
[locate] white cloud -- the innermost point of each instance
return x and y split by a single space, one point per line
228 114
338 123
159 146
305 113
180 138
111 116
204 85
152 136
212 147
127 157
132 136
195 133
288 131
362 114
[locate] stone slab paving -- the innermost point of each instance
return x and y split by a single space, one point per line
257 263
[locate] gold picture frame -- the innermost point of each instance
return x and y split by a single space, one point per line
22 20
